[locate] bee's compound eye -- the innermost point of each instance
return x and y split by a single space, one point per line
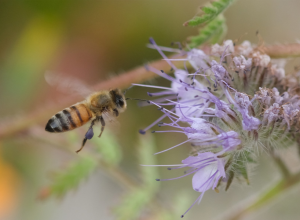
120 102
118 98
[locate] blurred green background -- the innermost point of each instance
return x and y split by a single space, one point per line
93 41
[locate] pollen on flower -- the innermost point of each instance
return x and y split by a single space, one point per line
245 48
229 105
241 63
278 72
219 49
259 59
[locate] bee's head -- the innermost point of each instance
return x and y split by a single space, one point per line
118 98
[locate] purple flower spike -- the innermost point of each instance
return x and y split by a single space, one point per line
227 108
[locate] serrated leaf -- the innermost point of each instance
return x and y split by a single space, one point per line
219 34
209 10
109 148
146 151
220 4
209 13
243 171
230 178
70 177
240 165
212 32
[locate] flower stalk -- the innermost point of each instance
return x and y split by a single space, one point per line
263 198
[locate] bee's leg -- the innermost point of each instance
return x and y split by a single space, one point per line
83 143
89 134
103 125
116 112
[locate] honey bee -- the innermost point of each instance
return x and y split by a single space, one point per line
100 107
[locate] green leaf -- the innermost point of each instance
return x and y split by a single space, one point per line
209 10
209 13
213 32
219 34
149 174
109 148
70 177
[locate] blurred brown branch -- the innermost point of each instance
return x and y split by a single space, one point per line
135 75
282 50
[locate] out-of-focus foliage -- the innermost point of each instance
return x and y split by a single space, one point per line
147 148
136 200
181 200
108 148
69 178
133 204
108 153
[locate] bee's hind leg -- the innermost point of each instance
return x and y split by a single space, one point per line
102 125
88 135
83 143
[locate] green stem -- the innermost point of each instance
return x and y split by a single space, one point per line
279 188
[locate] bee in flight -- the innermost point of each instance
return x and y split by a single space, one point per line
100 107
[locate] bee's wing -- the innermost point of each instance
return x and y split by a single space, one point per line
111 121
68 85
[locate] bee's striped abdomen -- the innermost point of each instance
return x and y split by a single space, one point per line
69 118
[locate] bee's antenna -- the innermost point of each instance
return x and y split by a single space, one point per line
138 99
127 89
